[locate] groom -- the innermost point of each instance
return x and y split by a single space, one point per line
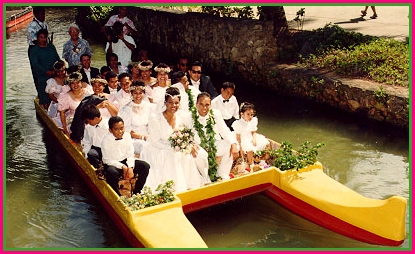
210 124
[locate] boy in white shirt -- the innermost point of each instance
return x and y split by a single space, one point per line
95 131
227 104
118 157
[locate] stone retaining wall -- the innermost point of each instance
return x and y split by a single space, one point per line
373 100
215 41
247 49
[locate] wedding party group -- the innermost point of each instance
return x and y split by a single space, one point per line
135 119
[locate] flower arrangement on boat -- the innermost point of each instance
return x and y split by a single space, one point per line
182 140
163 194
286 158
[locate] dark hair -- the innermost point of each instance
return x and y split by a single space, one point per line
42 31
177 76
170 92
85 54
196 63
38 9
109 55
113 120
72 69
227 85
125 74
90 112
245 106
138 83
118 27
105 69
203 94
58 65
182 57
110 75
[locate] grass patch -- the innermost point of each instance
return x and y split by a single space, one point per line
352 54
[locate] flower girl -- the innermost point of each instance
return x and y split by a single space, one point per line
246 132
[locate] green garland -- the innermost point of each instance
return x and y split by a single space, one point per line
207 140
191 102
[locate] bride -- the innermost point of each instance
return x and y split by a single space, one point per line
166 162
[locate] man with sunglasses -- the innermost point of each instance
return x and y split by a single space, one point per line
182 64
200 81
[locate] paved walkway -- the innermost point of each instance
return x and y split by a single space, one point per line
392 21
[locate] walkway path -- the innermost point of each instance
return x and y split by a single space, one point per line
392 21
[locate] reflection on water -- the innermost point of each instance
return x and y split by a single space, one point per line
48 205
267 228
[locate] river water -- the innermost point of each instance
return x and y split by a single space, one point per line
49 206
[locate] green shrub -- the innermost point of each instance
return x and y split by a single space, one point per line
286 158
381 60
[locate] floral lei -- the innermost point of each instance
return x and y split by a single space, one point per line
207 140
191 102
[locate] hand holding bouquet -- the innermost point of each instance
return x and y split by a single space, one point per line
182 140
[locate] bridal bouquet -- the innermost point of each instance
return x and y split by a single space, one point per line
182 140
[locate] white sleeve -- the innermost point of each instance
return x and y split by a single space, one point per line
86 141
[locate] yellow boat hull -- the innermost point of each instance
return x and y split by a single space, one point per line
308 192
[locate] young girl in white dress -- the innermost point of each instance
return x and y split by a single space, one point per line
246 132
54 86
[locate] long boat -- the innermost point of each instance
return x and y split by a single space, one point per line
308 192
16 18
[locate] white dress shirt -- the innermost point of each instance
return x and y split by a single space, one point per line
220 128
94 135
114 151
228 109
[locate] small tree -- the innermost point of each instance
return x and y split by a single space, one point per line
300 18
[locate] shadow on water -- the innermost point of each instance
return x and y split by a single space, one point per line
250 223
85 208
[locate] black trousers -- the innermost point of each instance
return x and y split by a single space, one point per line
95 156
113 174
229 122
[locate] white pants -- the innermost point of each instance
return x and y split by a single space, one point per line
224 150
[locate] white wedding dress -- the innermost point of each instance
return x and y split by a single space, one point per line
165 163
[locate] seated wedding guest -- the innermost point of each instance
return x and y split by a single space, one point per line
201 81
42 58
215 137
78 122
134 71
103 71
68 102
75 47
145 72
54 86
136 115
87 71
115 66
227 104
188 94
106 108
167 162
118 156
182 64
112 86
156 92
139 55
95 131
123 96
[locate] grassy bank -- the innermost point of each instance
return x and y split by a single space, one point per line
350 54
